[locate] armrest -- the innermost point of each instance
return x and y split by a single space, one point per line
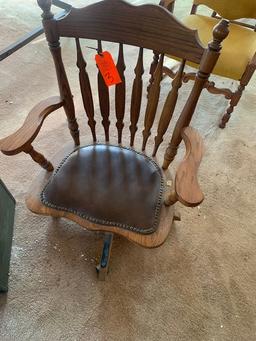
186 187
168 4
23 137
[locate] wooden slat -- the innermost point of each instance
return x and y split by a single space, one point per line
150 26
86 89
136 96
153 98
103 99
120 94
169 107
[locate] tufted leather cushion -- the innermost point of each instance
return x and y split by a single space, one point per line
108 185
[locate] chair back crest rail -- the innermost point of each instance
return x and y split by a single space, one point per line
119 22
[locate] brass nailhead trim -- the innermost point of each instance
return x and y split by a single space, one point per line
105 222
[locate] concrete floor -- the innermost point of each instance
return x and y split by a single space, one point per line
200 285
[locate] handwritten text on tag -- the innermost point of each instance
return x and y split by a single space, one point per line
107 68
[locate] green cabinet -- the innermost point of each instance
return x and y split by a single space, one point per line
7 211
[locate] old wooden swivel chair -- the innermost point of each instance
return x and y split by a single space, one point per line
238 57
109 187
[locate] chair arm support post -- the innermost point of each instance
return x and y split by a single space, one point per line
208 61
39 158
171 198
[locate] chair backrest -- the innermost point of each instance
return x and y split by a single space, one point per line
147 27
231 10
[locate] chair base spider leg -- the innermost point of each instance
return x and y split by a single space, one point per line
102 267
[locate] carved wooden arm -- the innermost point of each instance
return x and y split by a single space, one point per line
186 187
21 140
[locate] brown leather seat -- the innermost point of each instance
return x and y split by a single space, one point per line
108 185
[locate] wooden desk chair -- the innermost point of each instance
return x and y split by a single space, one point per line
238 57
109 187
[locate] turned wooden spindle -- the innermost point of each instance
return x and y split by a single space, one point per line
153 98
238 93
153 69
39 158
136 96
86 91
234 101
103 93
207 64
169 107
52 36
169 5
120 94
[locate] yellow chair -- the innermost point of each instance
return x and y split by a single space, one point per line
238 57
